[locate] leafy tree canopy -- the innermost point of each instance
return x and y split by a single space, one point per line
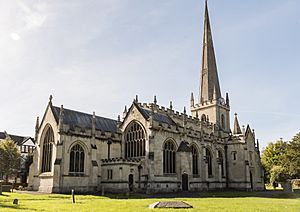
293 157
281 160
9 158
273 155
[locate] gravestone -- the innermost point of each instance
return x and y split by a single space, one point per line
15 201
170 204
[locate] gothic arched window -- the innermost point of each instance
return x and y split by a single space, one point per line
195 160
209 162
134 141
76 159
221 162
47 150
169 160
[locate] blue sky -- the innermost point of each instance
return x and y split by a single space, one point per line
97 55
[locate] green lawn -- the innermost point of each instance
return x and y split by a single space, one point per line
226 201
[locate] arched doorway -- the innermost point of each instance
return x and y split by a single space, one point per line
130 182
185 182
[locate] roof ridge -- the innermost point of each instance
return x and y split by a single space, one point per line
85 113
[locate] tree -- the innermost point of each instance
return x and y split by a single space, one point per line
278 174
281 160
293 157
9 158
274 155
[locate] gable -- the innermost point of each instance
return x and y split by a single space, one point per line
29 142
48 112
146 113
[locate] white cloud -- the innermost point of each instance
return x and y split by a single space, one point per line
32 15
15 36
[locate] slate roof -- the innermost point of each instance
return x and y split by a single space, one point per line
158 117
2 135
84 120
19 140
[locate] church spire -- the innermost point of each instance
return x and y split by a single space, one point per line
236 126
210 87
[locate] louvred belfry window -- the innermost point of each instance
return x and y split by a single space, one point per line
134 141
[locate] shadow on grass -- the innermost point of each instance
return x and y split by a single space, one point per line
211 194
17 207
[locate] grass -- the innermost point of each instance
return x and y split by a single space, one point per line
210 201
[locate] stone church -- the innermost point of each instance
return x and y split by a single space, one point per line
150 148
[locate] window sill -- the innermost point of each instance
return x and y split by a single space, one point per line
169 174
76 174
46 174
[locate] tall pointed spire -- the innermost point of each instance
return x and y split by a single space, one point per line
210 87
236 126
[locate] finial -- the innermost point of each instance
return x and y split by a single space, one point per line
125 112
61 113
227 99
236 127
61 118
243 129
93 124
119 118
192 99
171 105
136 98
155 101
50 99
184 110
37 123
197 115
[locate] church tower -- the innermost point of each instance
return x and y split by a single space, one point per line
212 107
